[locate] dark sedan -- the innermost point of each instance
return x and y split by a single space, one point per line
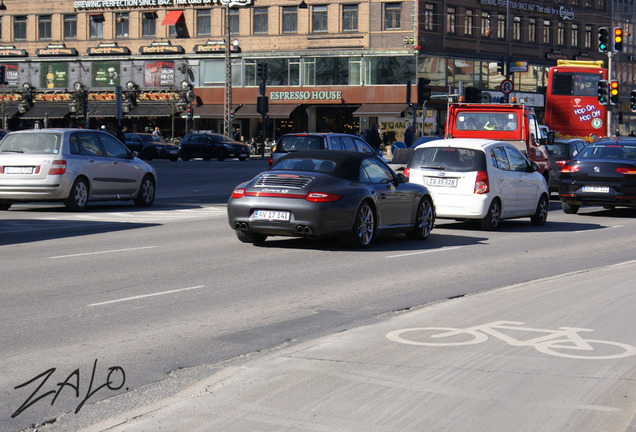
207 145
354 196
149 146
603 173
559 153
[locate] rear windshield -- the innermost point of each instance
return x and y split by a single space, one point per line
600 151
31 143
558 150
298 143
476 121
449 159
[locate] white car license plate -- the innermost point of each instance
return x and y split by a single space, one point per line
271 215
596 189
441 181
18 170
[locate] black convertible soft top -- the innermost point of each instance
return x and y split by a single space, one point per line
347 164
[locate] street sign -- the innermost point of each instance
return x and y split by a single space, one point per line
518 66
506 86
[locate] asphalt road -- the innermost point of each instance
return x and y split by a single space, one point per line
145 303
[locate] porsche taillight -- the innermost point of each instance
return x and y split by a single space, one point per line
322 197
481 183
238 193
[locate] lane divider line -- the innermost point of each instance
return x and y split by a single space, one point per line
145 296
102 252
444 249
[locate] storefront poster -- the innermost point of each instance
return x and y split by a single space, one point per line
54 75
159 74
106 74
11 74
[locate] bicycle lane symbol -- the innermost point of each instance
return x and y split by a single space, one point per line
564 342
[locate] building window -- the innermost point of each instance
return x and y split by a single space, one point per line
588 36
516 28
290 19
350 18
234 21
501 27
575 35
19 28
485 24
392 14
122 20
468 22
203 22
547 37
319 19
148 24
560 34
96 26
429 17
260 20
44 27
451 20
70 26
532 30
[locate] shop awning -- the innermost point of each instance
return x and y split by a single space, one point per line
102 109
172 17
389 110
9 110
274 111
150 110
209 111
52 110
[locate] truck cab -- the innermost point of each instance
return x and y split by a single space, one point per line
514 123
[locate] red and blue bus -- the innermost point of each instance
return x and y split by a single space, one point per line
572 109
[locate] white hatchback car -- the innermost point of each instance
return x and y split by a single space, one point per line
480 179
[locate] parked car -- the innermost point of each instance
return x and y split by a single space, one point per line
208 145
318 141
149 146
474 178
74 166
3 133
351 195
603 173
559 153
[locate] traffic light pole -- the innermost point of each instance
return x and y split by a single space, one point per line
609 105
227 102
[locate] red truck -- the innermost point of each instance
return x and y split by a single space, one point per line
514 123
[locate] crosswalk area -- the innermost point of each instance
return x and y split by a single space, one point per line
155 216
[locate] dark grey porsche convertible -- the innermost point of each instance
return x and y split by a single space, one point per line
353 196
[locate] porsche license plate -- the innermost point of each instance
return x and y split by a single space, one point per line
271 215
441 181
596 189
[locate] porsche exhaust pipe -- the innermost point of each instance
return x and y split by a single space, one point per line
240 225
304 230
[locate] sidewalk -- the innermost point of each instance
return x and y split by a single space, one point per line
368 379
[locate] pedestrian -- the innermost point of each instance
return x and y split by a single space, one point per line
408 136
157 132
373 137
237 134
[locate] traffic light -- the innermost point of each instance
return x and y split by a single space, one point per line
618 39
603 39
614 92
261 69
602 92
632 103
501 67
423 91
190 111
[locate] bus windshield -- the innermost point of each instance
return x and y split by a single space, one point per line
575 84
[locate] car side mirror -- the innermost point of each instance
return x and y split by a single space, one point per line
402 178
551 137
534 167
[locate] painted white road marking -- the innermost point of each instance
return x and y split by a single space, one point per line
146 296
444 249
103 252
